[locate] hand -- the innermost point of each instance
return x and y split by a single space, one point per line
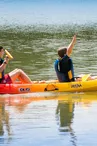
6 59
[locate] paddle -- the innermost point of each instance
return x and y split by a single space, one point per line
8 54
85 77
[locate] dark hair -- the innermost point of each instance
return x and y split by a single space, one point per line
62 52
1 48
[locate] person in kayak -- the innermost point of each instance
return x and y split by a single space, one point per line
64 65
13 75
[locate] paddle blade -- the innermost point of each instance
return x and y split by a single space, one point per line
85 77
8 54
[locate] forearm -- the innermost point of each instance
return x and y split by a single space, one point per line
3 66
71 45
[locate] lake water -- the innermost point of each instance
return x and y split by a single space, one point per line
34 48
49 119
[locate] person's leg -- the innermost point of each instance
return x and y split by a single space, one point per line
19 74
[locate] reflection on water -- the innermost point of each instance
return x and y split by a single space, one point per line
4 124
49 113
4 119
65 113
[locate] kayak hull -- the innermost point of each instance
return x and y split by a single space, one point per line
18 88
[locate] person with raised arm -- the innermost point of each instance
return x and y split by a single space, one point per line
64 65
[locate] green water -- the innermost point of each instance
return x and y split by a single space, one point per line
49 119
34 48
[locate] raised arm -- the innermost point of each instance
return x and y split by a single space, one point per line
71 45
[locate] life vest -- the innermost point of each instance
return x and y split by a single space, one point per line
64 69
2 73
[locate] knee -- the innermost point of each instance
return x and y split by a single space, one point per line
15 69
19 70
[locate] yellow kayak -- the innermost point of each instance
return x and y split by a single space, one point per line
52 85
